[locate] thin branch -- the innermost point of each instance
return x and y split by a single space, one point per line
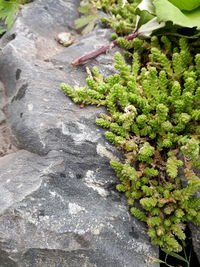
103 49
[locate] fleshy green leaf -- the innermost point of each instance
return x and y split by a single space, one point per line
182 18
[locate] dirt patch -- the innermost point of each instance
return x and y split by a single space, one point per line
6 146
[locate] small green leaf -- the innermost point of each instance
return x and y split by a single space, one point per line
84 20
2 30
175 255
89 27
84 9
8 11
158 260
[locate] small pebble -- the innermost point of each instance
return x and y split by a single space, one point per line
65 38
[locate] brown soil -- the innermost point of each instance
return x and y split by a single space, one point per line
6 146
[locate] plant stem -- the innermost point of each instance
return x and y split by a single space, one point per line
103 49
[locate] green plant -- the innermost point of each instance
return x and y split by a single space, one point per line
143 19
8 11
89 17
186 259
120 15
153 15
153 116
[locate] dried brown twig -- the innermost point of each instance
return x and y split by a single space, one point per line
103 49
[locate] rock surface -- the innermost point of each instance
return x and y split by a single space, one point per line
195 232
58 204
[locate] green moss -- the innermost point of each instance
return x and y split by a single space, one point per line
153 115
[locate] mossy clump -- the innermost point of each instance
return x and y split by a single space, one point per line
153 106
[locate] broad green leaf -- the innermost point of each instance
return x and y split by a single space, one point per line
144 17
186 4
152 25
145 12
165 11
146 5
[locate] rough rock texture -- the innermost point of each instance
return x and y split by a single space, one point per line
58 204
195 239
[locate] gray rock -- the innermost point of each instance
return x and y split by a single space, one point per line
2 117
195 233
58 204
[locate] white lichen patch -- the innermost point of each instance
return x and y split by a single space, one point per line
101 191
75 208
139 247
97 230
53 193
103 152
30 107
82 134
142 248
90 182
90 175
